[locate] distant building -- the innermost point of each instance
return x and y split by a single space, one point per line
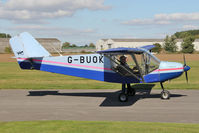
4 42
103 44
51 44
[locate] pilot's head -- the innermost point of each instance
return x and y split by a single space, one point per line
123 59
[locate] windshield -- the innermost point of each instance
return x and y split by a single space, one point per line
149 62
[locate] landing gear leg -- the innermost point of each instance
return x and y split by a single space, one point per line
123 97
130 91
164 94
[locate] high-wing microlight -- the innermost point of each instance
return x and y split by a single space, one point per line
109 65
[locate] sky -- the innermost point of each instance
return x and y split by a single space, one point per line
84 21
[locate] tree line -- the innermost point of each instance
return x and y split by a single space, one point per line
183 34
170 46
68 45
4 35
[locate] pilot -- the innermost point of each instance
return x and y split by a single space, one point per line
123 60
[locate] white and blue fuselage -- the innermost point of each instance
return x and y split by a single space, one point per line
97 67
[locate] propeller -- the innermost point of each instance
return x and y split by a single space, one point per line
186 68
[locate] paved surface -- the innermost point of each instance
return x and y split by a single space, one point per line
25 105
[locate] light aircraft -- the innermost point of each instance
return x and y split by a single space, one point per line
142 66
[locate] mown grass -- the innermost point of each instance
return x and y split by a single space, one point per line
95 127
12 77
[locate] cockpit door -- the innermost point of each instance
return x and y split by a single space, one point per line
150 65
130 68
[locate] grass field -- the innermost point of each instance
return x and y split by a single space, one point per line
95 127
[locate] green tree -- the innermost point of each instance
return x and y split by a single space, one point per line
170 44
183 34
187 44
157 48
66 45
3 35
73 45
92 45
8 36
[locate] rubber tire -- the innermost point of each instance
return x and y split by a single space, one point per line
131 91
165 95
123 97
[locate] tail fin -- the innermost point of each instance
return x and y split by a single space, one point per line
25 46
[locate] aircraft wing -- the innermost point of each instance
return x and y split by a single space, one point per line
121 50
148 47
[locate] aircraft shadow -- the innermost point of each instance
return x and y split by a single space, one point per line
111 98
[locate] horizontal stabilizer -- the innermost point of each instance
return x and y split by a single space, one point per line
25 46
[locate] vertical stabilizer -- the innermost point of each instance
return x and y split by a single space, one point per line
25 46
17 47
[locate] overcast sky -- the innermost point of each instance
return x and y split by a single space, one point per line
85 21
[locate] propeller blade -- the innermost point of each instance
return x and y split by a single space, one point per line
186 75
184 60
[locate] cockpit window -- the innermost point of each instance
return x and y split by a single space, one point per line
149 63
134 64
124 65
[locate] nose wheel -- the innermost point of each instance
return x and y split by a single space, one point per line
165 94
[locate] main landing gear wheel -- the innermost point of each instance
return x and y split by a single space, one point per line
165 94
123 97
